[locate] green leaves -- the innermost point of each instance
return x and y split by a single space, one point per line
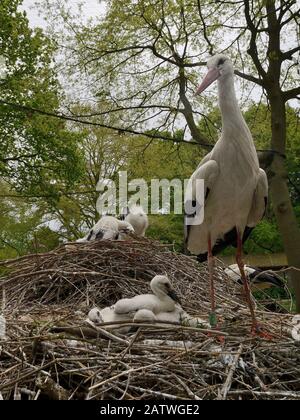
23 228
37 153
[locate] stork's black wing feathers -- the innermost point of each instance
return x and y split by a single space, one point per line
230 239
100 235
188 227
90 235
262 277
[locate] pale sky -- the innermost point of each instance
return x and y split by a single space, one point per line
91 8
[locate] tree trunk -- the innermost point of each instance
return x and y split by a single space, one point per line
287 222
282 203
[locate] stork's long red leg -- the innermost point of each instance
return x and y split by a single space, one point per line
211 266
241 265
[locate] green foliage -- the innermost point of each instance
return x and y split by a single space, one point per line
38 154
265 238
106 155
167 229
259 120
161 160
24 227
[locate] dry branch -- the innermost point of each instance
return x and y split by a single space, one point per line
49 295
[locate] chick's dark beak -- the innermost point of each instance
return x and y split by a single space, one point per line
173 295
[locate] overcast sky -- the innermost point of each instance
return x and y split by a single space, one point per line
91 8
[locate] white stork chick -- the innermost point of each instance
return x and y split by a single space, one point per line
95 316
137 217
125 229
107 315
144 315
177 316
163 298
107 228
258 279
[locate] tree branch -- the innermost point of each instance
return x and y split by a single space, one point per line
188 112
285 7
119 130
127 108
104 53
252 51
291 94
288 55
250 78
211 47
18 158
292 17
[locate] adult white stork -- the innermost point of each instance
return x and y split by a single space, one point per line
258 279
236 189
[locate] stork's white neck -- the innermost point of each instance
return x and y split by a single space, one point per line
232 118
158 291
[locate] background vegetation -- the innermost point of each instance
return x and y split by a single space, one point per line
81 100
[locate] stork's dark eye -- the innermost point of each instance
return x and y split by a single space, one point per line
221 61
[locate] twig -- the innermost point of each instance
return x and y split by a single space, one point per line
191 394
272 394
161 395
227 385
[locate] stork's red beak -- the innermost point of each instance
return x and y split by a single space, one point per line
211 76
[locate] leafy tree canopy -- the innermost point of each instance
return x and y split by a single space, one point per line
37 153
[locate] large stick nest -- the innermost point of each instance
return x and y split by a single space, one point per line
52 353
